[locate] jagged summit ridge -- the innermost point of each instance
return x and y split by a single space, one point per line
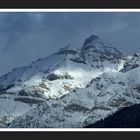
96 45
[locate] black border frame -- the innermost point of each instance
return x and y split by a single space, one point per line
69 4
71 135
65 4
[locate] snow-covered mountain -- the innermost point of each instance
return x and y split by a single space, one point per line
70 88
65 70
103 96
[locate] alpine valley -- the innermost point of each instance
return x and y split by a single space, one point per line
70 88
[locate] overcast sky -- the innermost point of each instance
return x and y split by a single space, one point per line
25 37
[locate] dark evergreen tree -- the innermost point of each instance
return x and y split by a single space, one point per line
128 117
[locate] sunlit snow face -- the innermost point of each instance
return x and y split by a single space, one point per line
83 73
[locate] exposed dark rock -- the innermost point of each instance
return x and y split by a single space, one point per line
23 93
76 108
91 39
54 76
29 100
78 60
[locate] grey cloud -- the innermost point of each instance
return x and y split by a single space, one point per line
25 37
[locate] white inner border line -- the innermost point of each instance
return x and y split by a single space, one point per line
69 129
72 129
69 10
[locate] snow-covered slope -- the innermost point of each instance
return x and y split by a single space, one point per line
103 96
132 62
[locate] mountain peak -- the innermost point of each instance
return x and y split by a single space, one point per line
91 40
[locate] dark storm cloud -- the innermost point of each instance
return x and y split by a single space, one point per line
25 37
15 26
